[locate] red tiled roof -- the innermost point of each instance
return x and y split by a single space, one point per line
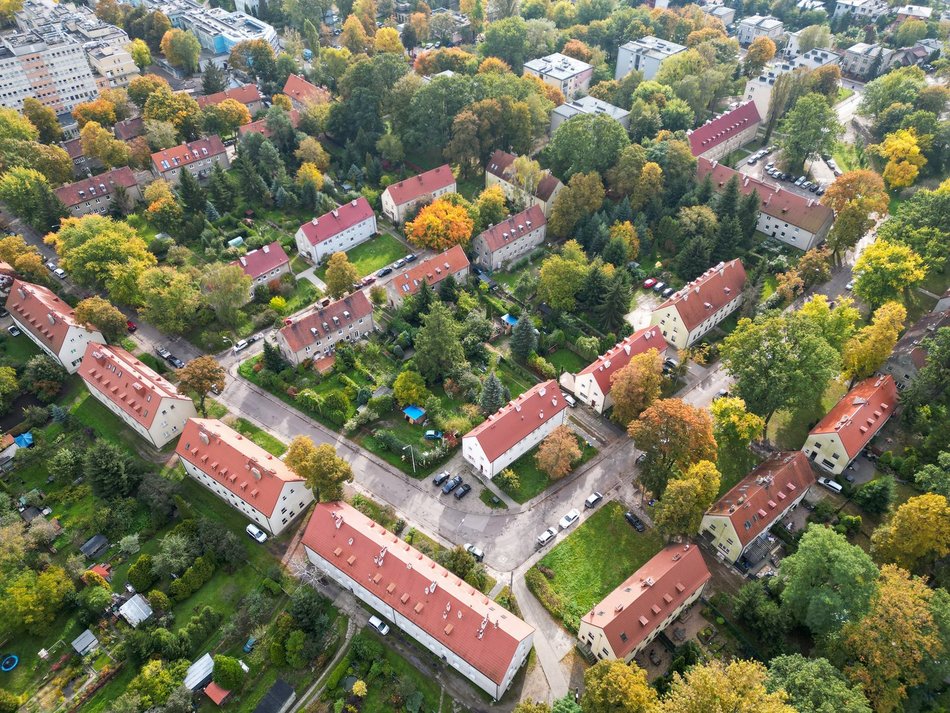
303 331
431 270
636 608
512 423
260 126
513 227
42 313
217 694
806 213
96 187
235 462
481 632
337 220
126 382
263 260
245 94
501 161
723 128
187 153
861 413
767 489
421 185
73 148
103 570
703 296
621 353
300 90
129 129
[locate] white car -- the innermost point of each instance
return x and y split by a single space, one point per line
830 484
570 519
240 346
60 273
592 499
14 330
256 533
474 551
849 286
381 626
546 537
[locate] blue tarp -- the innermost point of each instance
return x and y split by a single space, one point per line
24 440
414 412
512 321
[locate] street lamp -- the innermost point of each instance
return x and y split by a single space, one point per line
411 455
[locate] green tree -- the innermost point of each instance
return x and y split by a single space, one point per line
811 126
586 143
935 477
44 119
324 471
813 685
43 376
141 54
886 271
617 687
493 395
341 275
917 535
111 471
225 289
213 79
169 298
836 324
27 193
410 388
228 673
182 49
9 387
715 687
438 346
506 39
32 600
755 607
200 376
524 340
102 315
735 429
685 499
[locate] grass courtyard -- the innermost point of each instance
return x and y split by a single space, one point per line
789 429
372 255
532 480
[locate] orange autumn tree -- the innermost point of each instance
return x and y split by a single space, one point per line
558 452
440 226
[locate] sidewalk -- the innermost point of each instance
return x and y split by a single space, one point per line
311 274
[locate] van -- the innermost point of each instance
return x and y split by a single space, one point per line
569 400
830 484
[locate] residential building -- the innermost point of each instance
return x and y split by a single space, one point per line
865 61
408 280
461 26
114 65
759 89
646 55
783 214
265 265
917 55
499 172
571 76
260 126
514 429
217 29
725 15
95 194
628 619
82 165
302 92
129 129
400 198
243 474
315 333
50 323
867 10
592 384
198 156
247 94
460 626
756 26
914 12
737 525
721 136
143 400
851 424
690 313
588 105
342 229
511 239
910 353
51 67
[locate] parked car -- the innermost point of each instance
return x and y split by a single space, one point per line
50 265
820 191
441 478
240 346
411 257
849 286
451 484
769 166
463 490
640 458
799 181
381 626
636 522
254 338
569 400
474 551
569 519
431 435
162 352
368 280
3 312
249 645
667 292
175 361
593 499
659 287
256 533
399 263
545 537
830 484
648 283
130 325
60 273
13 330
385 271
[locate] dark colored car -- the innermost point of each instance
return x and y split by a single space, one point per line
411 257
636 522
130 325
452 484
174 361
464 489
385 271
441 478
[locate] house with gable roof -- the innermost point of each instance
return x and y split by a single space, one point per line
199 157
724 134
910 352
498 172
408 281
512 238
314 333
264 265
338 230
400 198
94 194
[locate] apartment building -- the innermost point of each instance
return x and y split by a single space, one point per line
691 312
217 29
737 525
511 239
861 10
461 627
143 400
198 157
628 619
95 194
645 55
408 280
755 26
314 334
51 67
247 94
514 429
400 198
910 353
571 76
113 66
50 323
759 89
727 132
242 474
725 15
865 61
339 230
499 172
302 92
588 105
264 265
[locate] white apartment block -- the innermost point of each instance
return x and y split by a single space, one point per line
51 68
759 89
114 65
588 105
861 9
726 15
511 239
217 29
645 55
569 75
342 229
756 26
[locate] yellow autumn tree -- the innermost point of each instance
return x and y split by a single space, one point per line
904 157
309 173
387 40
440 225
917 535
865 352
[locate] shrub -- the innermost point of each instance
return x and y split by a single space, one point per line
542 366
159 601
337 674
141 575
193 579
381 404
228 673
539 587
365 650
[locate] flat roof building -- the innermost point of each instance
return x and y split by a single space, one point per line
588 105
645 55
570 75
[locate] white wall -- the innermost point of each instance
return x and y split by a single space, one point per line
473 453
827 451
341 242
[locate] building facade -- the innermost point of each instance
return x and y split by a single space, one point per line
243 474
143 400
199 157
408 281
470 633
727 132
50 323
865 61
114 66
511 239
499 171
302 92
588 105
910 353
690 313
628 619
861 9
400 198
756 26
264 265
514 429
851 424
645 55
315 333
95 195
217 29
569 75
342 229
51 67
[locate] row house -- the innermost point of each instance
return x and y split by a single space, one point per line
514 429
242 474
910 353
465 630
721 136
199 157
400 198
315 333
264 265
50 323
500 171
690 313
408 281
851 424
737 525
645 55
513 238
628 619
247 94
338 230
143 400
570 75
95 194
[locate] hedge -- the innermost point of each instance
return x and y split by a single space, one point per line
539 587
337 674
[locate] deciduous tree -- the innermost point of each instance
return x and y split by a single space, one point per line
199 376
582 196
32 600
142 87
867 350
813 685
735 429
886 271
410 388
586 143
636 386
440 225
917 534
182 49
854 197
558 452
760 53
99 143
44 119
169 298
324 471
341 275
686 498
141 54
715 687
225 288
562 275
811 126
836 324
27 193
617 687
904 157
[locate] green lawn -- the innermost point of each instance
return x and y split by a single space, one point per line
843 93
491 500
566 360
269 443
846 156
16 350
789 429
515 379
372 255
594 560
532 480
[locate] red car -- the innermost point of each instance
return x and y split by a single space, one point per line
648 283
130 325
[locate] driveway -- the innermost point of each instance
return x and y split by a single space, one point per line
644 302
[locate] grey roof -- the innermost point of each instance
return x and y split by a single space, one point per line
557 65
85 642
651 46
591 105
276 698
135 610
94 545
199 673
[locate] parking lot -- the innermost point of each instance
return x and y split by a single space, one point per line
818 171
